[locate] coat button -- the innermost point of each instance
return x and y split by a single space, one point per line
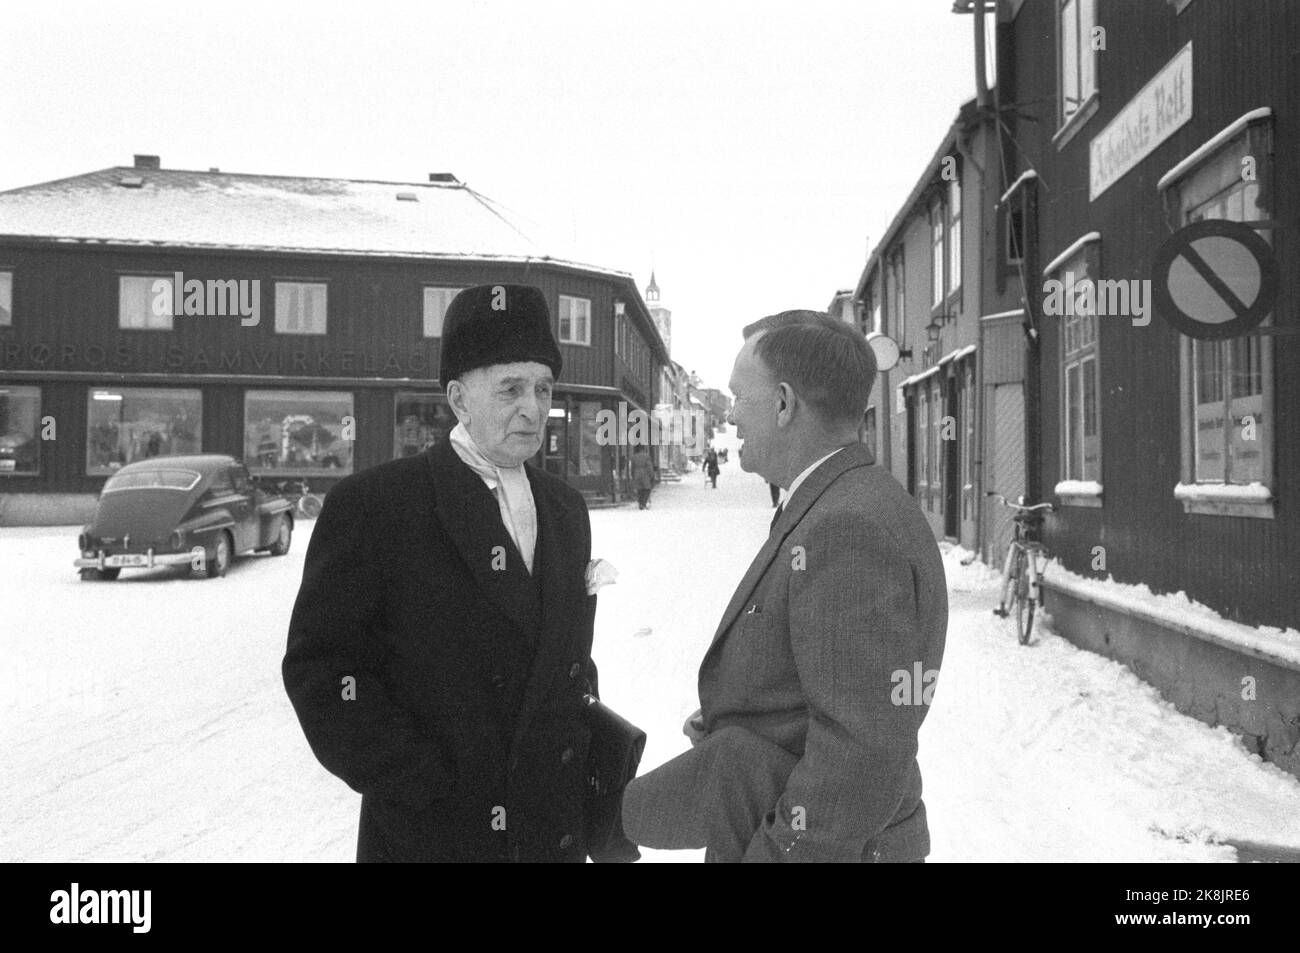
574 669
498 682
566 842
566 756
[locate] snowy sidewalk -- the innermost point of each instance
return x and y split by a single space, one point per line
146 719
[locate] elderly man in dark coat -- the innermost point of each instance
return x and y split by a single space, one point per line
440 645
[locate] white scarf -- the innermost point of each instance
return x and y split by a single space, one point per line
511 488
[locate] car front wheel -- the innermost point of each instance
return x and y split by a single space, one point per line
283 537
219 560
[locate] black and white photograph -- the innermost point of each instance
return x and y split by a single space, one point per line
489 431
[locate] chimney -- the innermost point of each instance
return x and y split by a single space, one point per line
147 162
443 177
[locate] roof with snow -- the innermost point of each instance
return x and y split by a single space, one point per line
154 207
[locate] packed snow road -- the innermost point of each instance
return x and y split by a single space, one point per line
145 719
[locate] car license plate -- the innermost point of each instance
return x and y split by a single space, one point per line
128 559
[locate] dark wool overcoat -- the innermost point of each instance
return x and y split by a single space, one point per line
435 676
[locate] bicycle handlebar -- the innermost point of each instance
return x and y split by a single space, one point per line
1021 507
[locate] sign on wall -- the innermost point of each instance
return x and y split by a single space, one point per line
1159 109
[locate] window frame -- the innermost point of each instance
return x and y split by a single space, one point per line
151 278
425 288
1067 126
194 394
284 393
561 317
1087 258
323 283
1194 189
7 271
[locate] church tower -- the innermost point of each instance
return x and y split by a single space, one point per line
663 318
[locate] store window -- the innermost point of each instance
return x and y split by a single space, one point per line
575 320
20 437
300 307
436 303
126 424
144 303
298 433
421 421
6 298
1076 60
1229 417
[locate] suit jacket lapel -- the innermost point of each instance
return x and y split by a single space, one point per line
470 514
853 455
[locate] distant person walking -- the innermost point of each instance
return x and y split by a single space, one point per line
711 467
776 493
642 476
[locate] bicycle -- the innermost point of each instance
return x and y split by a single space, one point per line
1023 570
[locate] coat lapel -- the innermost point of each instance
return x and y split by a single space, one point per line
470 514
853 455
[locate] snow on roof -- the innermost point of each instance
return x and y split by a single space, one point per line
178 208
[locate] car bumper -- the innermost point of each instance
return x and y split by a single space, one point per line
145 560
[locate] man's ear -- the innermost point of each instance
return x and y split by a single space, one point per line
785 404
456 400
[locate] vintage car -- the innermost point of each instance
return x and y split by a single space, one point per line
195 510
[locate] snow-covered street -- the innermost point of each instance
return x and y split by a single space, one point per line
145 719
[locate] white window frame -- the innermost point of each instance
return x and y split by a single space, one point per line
146 320
954 237
575 310
283 325
1213 177
938 255
1080 345
1079 17
435 300
6 297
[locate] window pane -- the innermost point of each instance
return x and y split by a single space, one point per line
298 433
1087 58
6 297
436 302
139 306
1209 360
20 416
420 421
127 424
1073 438
954 235
1069 76
1091 414
300 307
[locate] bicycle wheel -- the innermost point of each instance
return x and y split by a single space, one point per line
1024 608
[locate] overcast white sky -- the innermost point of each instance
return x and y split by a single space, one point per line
747 149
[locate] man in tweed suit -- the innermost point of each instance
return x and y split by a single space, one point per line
822 669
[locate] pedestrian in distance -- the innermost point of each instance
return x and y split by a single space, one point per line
711 467
642 476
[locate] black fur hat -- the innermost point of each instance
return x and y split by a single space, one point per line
497 324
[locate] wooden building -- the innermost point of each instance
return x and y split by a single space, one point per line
292 322
1174 463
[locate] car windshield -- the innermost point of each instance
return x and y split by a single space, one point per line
152 480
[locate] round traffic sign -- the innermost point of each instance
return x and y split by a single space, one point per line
1214 279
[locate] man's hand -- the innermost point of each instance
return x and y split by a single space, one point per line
694 727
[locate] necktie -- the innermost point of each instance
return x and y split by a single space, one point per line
777 515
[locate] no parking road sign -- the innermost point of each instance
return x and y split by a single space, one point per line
1215 279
